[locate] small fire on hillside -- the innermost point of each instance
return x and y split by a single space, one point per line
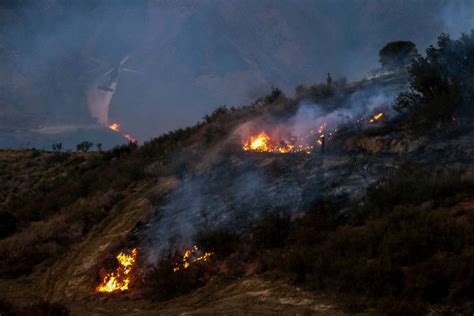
119 279
116 127
261 142
191 256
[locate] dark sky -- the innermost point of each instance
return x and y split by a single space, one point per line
193 55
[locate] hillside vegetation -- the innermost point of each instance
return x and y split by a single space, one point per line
382 220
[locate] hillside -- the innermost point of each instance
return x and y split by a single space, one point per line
331 202
213 53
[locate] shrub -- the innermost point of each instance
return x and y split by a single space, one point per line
42 308
57 147
410 184
300 90
217 114
397 54
221 241
274 95
84 146
166 284
271 232
441 82
400 251
6 308
7 224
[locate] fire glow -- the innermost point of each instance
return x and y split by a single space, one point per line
191 256
376 117
261 142
119 279
116 128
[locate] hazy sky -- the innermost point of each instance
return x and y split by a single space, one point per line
193 55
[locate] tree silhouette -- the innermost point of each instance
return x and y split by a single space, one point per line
397 54
84 146
57 147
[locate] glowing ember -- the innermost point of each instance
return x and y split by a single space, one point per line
120 278
116 127
262 143
376 117
130 138
305 144
191 256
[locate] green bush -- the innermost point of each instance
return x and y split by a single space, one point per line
441 83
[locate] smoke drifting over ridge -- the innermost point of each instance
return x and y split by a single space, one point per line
197 55
236 194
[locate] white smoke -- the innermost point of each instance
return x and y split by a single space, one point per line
99 101
458 17
311 117
225 196
237 195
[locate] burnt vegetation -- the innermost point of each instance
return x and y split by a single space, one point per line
406 247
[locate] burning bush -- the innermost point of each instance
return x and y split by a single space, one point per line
262 143
178 274
119 279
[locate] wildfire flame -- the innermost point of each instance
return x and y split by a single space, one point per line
262 143
120 278
116 127
130 138
376 117
191 256
305 142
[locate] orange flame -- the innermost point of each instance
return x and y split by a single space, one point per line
116 127
262 143
120 278
305 144
376 117
191 256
